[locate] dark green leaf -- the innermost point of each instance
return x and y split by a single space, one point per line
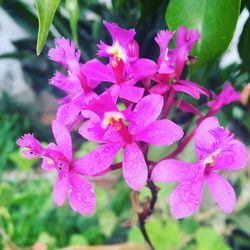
243 46
46 10
215 19
74 14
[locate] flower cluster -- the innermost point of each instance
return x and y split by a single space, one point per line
148 90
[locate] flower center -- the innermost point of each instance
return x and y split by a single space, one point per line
117 51
114 119
209 161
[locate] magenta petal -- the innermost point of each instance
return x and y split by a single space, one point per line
143 68
146 111
159 89
185 106
222 192
178 87
134 166
235 157
67 113
63 139
92 132
119 34
98 160
162 133
69 84
47 163
163 38
174 171
61 189
82 197
186 197
195 87
131 93
30 154
204 140
97 71
226 96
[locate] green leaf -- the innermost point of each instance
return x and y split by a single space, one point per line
78 240
135 235
46 10
107 222
243 47
215 19
208 239
72 7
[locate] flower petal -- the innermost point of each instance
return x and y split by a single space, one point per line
203 139
142 68
82 197
235 157
47 163
146 111
97 71
134 166
61 189
63 139
67 113
162 133
124 36
186 197
174 171
92 132
222 192
97 160
131 93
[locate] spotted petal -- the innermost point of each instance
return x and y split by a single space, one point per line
186 197
173 171
134 167
82 197
97 160
61 189
222 192
63 139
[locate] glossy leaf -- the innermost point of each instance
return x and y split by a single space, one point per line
215 19
72 7
46 10
243 47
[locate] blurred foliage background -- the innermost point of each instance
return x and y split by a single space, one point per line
27 211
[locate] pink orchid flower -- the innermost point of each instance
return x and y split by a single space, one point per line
114 133
76 85
226 96
125 69
216 150
59 156
123 44
171 63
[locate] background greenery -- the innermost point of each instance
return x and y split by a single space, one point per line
27 212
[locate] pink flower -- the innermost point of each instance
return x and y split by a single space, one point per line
226 96
171 63
59 156
112 131
125 69
76 85
216 150
123 77
123 44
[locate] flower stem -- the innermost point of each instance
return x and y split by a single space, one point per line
147 212
169 103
